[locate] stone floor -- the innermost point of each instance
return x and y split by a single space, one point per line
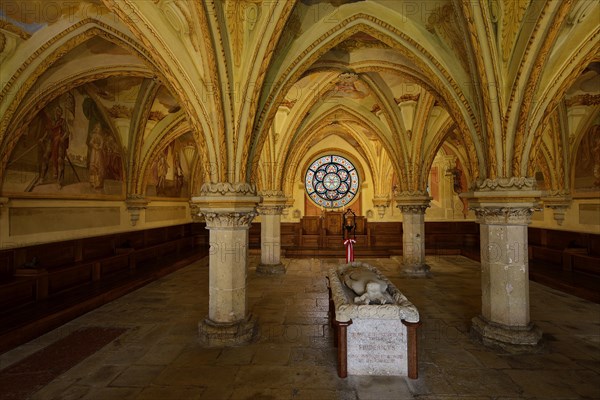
158 356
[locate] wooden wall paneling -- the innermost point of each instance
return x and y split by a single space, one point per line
7 264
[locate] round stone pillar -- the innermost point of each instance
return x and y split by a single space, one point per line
270 211
228 210
413 234
504 210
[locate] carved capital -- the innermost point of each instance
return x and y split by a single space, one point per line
504 215
228 189
268 194
226 197
231 220
412 208
412 202
270 209
273 202
506 184
504 194
4 201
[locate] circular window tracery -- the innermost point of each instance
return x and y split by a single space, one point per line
331 181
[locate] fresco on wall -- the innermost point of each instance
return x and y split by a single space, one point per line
587 164
170 172
69 148
163 105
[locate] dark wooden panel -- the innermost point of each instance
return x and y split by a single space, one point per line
386 241
7 264
562 239
334 241
594 245
385 228
333 223
546 255
18 291
254 235
174 232
361 225
114 264
52 254
97 247
534 236
586 264
311 225
155 236
130 239
310 241
65 278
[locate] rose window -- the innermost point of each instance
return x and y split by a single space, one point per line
331 182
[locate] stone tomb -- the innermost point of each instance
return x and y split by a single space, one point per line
375 325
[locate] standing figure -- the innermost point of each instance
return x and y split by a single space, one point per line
596 155
59 136
44 151
161 172
96 161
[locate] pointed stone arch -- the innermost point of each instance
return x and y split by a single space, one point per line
361 21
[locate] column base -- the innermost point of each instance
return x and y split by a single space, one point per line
417 271
514 339
270 269
213 334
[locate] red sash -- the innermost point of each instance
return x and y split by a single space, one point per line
349 243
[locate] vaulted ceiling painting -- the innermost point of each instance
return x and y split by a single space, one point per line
108 99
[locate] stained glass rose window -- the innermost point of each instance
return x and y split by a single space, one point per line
331 181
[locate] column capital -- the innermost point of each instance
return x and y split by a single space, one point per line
215 220
273 202
412 202
508 215
509 201
272 194
226 198
270 209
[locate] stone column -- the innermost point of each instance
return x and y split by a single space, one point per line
228 210
270 211
503 208
413 233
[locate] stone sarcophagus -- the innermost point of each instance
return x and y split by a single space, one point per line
375 325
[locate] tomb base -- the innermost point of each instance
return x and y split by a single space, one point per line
372 339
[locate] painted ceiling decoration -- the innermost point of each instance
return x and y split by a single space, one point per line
116 98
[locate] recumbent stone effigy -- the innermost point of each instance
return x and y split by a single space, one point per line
375 323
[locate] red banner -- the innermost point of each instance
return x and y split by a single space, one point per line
349 243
